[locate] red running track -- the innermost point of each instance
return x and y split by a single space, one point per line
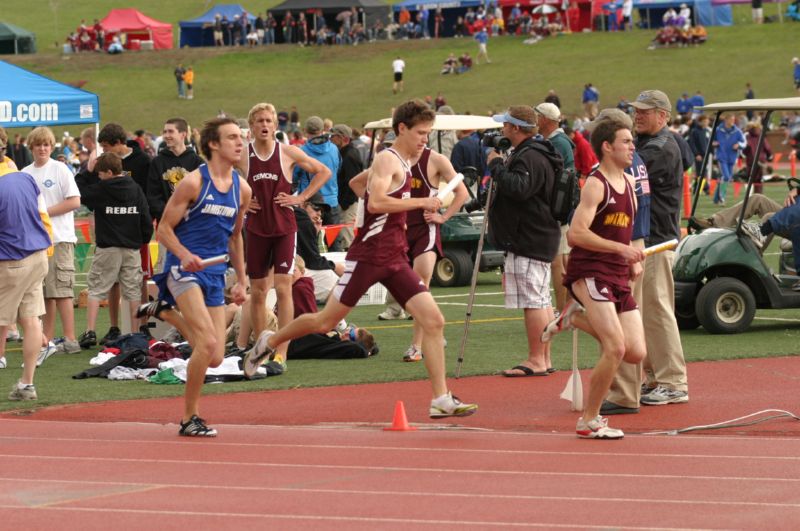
516 463
58 475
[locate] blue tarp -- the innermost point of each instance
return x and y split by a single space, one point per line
433 5
198 32
703 12
30 100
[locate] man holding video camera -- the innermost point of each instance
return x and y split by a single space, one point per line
520 223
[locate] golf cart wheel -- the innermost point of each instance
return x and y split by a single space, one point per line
725 306
453 269
686 318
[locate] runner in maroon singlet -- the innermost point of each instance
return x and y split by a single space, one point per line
378 254
271 229
601 265
422 227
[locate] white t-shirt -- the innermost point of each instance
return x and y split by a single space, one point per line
627 8
398 65
57 183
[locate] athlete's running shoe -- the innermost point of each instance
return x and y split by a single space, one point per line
413 354
597 428
258 354
196 427
450 406
562 322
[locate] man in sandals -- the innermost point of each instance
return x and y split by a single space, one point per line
378 254
601 265
203 219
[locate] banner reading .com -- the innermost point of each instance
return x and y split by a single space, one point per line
28 112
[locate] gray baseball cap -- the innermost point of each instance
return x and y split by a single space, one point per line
652 99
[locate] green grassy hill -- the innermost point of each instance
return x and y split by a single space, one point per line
352 84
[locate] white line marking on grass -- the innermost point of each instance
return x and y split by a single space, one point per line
477 294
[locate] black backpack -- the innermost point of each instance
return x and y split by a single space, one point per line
566 192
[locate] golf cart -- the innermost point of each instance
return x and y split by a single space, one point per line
461 233
720 276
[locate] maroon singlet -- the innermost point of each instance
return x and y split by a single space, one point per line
267 179
381 239
420 187
612 221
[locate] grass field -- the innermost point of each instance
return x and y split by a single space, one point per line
352 84
496 341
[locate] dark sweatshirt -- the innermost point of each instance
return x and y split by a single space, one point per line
662 156
136 165
166 171
307 246
121 214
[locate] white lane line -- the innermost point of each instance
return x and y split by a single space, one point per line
413 449
144 486
271 516
250 464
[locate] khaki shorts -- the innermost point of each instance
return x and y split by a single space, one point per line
563 246
116 264
21 287
60 280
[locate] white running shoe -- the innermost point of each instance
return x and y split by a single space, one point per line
562 322
450 406
25 393
45 353
258 354
3 362
390 315
597 428
413 354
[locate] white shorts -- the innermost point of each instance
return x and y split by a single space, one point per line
526 282
324 281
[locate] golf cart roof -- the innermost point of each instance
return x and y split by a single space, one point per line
771 104
447 122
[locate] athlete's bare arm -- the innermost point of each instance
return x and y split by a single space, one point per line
183 197
443 172
580 235
386 174
236 246
298 157
358 184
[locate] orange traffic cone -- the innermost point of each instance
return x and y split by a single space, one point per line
400 422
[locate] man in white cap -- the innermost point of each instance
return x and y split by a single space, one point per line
521 224
548 118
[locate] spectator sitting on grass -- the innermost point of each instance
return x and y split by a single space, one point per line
465 63
449 65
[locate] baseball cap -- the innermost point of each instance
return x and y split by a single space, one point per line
549 111
652 99
611 113
317 201
314 125
342 130
389 138
519 115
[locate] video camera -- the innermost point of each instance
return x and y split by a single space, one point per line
496 141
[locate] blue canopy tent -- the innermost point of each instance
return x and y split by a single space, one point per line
451 10
704 12
198 31
31 100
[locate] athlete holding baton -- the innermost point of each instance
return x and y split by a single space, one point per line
201 222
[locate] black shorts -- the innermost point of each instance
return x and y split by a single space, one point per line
398 76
